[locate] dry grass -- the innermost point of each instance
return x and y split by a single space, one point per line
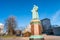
8 36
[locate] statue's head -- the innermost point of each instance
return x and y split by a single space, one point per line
35 8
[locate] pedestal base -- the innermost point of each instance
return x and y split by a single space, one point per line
36 28
36 37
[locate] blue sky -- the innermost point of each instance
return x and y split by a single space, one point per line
22 10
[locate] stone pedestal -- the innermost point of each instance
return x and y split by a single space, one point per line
36 28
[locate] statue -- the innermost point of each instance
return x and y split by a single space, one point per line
36 27
35 12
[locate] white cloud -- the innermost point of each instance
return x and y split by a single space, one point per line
55 16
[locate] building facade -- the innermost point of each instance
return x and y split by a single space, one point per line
1 28
46 25
56 30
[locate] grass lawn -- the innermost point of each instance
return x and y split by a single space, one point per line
8 36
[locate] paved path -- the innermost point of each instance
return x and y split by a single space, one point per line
46 37
50 37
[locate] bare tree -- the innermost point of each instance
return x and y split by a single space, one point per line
11 25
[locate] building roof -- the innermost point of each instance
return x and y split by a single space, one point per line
1 24
45 19
27 29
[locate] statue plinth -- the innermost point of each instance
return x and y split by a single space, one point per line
36 28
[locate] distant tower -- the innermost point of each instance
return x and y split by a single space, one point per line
36 28
46 25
